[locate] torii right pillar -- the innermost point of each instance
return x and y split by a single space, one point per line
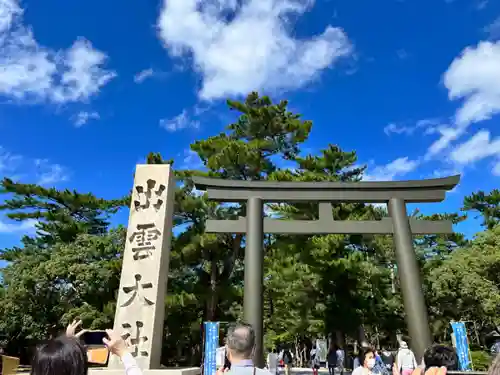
410 280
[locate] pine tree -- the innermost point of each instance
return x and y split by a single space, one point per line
488 206
69 268
60 215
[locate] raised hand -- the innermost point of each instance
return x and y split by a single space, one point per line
115 343
71 329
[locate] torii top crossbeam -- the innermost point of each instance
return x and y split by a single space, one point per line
432 190
412 191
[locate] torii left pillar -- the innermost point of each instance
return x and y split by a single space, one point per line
253 312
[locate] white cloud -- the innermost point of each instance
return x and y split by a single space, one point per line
476 148
474 78
179 122
496 168
448 134
49 174
429 125
23 227
397 129
143 75
396 168
81 118
238 48
40 171
8 161
30 71
190 160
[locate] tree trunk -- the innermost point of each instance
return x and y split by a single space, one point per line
340 338
213 296
362 336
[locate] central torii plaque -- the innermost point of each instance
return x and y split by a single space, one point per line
394 193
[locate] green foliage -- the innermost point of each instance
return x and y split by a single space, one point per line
481 360
488 206
466 285
314 286
60 215
45 288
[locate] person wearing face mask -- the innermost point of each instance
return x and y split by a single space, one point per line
367 362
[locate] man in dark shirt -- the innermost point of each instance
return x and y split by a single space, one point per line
387 358
441 356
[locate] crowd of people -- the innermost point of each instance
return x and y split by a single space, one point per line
369 361
65 355
437 359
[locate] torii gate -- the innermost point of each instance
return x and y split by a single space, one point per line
394 193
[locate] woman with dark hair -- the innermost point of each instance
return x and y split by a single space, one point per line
65 355
60 356
366 361
441 356
287 360
331 358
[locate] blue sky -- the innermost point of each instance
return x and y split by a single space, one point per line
88 88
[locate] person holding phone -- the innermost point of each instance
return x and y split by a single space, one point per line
66 355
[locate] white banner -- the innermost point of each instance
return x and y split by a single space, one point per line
321 350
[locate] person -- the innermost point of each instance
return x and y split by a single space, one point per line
287 360
340 360
331 358
66 355
240 343
272 362
495 348
441 356
314 360
379 365
367 362
280 357
405 359
387 359
439 359
356 362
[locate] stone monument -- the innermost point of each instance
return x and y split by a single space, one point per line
140 308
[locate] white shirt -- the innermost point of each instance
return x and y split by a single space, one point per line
130 365
272 360
363 371
360 370
406 359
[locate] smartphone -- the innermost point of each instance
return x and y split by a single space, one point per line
97 352
93 338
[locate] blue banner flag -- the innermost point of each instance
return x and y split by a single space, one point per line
211 345
461 345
